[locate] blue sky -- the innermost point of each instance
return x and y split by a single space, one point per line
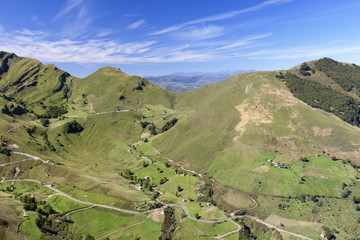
143 37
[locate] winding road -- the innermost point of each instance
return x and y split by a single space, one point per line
165 205
32 157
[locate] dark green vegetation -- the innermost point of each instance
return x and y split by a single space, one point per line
320 96
346 75
169 225
257 144
252 230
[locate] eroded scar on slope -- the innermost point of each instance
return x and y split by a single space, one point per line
255 111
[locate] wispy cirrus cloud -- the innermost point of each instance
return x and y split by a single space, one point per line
104 32
303 52
37 44
245 41
136 24
200 33
221 16
70 5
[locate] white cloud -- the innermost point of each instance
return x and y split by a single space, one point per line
136 24
302 52
70 5
37 44
245 41
221 16
78 26
104 32
194 33
27 32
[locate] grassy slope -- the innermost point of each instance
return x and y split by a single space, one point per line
268 117
270 123
9 213
35 84
104 88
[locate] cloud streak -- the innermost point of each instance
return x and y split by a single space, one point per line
136 24
221 16
302 52
98 50
196 34
70 5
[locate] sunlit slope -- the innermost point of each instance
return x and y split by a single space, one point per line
111 89
33 83
230 121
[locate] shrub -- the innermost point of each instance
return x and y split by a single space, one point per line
73 127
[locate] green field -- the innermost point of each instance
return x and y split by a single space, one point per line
28 227
62 204
241 141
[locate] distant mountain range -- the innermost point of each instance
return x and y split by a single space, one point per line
181 82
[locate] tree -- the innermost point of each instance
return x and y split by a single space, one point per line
163 180
328 234
169 124
143 124
152 129
73 127
197 216
6 110
45 122
88 237
345 193
179 188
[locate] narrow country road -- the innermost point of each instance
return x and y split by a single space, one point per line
21 124
213 179
23 160
229 233
29 156
170 205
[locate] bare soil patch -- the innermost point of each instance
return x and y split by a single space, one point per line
237 199
145 135
322 132
277 221
17 171
13 146
261 169
156 215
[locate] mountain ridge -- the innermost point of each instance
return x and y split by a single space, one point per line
252 138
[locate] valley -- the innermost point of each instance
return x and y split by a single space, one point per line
114 156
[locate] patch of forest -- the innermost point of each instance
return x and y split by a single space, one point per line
347 76
323 97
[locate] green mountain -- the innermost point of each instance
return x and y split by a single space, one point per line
280 147
32 84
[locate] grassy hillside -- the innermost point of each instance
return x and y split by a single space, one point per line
248 143
110 89
32 85
249 112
